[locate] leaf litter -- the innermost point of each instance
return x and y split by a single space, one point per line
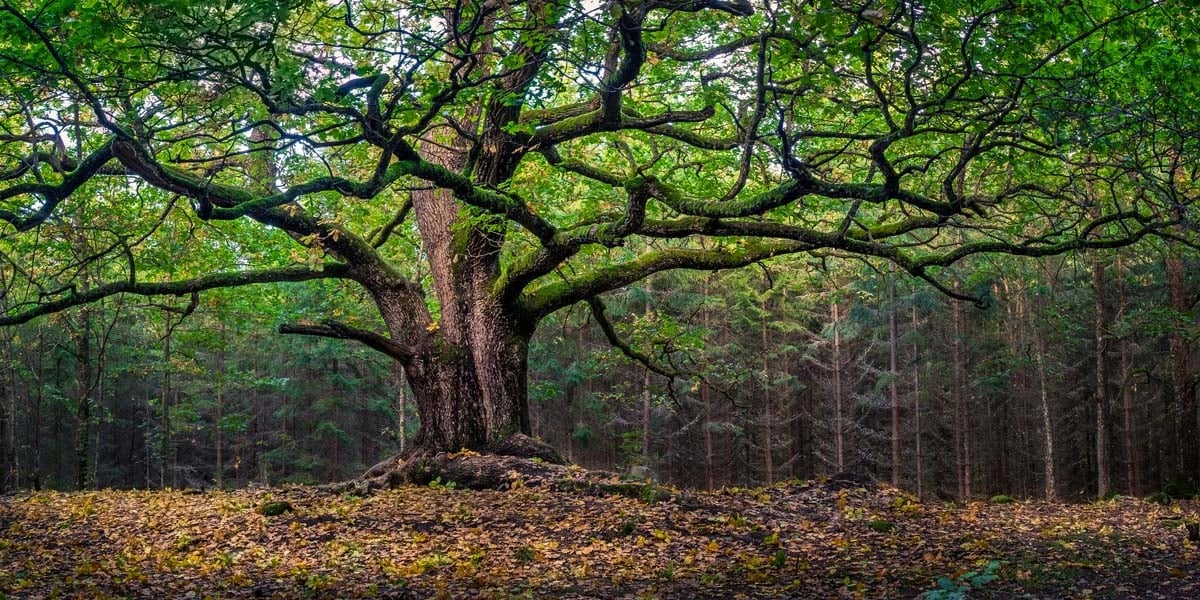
816 539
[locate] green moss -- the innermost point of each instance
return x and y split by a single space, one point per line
1001 499
881 526
275 508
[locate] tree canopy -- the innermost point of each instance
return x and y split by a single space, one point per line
478 165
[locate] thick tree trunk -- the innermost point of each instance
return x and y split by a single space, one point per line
471 395
468 369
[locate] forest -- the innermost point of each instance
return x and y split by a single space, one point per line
1063 386
924 272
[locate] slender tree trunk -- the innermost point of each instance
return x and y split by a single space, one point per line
1187 440
39 400
646 416
768 433
1128 388
401 406
1103 484
9 456
839 417
1051 486
83 399
165 406
895 373
1129 422
706 400
962 441
916 379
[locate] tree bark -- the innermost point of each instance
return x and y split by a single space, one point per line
1103 484
1128 389
467 368
962 436
916 378
895 373
706 400
768 429
83 399
1051 486
839 418
165 407
1183 397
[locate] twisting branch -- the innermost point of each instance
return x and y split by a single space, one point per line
614 338
173 288
341 331
553 296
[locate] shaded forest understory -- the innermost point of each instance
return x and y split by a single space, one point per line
823 539
793 376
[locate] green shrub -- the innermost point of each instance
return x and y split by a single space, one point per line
274 509
881 526
1159 498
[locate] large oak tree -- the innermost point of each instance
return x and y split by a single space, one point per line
476 165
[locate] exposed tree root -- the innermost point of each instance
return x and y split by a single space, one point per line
518 461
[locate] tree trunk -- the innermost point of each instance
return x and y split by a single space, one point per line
768 426
1051 486
401 407
468 368
838 421
165 406
1184 399
916 377
1128 388
895 373
646 397
1103 485
706 400
83 400
472 397
962 438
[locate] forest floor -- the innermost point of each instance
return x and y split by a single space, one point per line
830 539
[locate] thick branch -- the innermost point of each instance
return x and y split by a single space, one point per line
553 296
341 331
51 195
175 288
